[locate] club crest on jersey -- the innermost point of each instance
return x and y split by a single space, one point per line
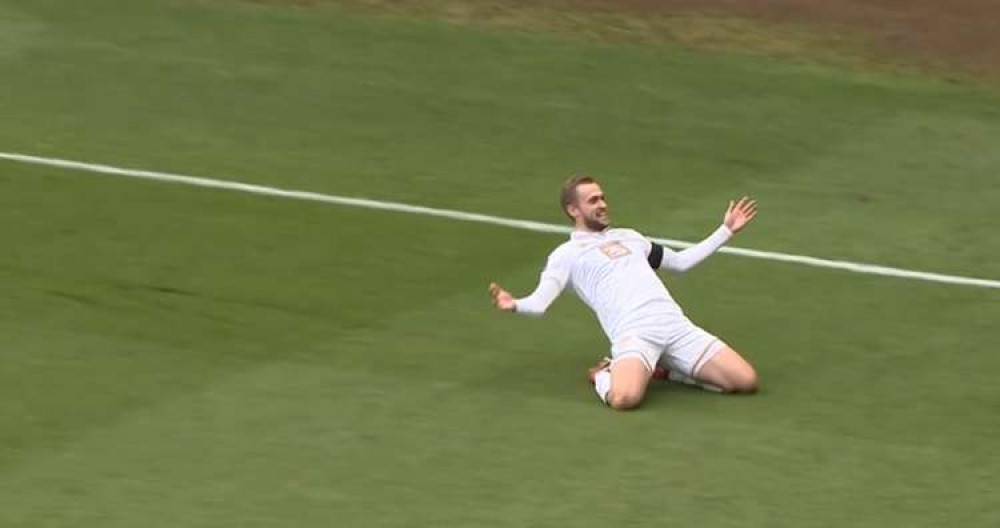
615 250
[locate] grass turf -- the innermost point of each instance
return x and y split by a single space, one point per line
182 357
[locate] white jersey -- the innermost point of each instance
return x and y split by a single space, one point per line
613 273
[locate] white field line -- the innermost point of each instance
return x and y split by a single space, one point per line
856 267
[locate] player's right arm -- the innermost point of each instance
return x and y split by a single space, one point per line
550 285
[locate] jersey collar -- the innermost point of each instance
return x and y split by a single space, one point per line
584 235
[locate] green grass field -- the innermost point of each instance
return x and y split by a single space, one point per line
177 356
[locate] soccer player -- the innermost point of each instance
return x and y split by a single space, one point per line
614 272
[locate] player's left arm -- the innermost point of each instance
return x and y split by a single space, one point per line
738 216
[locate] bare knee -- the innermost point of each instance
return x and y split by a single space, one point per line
629 378
624 400
730 372
742 381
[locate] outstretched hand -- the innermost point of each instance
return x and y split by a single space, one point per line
740 214
502 298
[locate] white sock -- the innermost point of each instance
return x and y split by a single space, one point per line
688 380
602 384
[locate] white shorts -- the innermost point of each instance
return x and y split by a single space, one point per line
685 349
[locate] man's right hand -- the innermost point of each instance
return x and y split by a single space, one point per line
502 298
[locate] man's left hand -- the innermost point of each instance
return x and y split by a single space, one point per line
740 214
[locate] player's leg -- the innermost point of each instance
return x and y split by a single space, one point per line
629 378
622 382
697 357
729 371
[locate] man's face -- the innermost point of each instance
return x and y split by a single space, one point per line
590 210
